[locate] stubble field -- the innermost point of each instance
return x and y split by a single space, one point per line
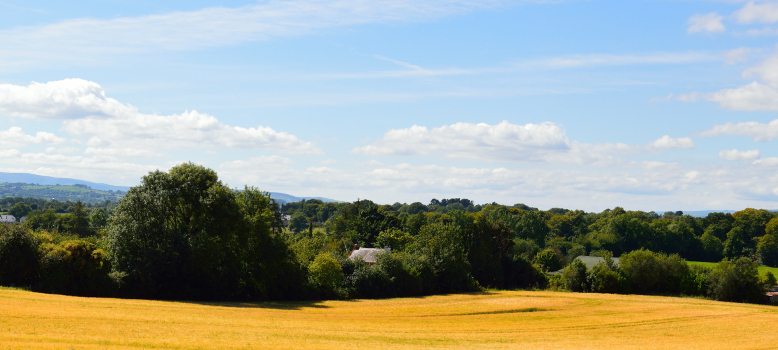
493 320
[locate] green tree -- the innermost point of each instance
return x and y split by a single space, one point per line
767 249
737 243
548 260
712 247
532 226
325 274
441 245
573 277
20 210
393 238
736 280
180 234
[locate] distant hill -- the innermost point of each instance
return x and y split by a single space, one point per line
704 213
48 180
66 189
62 193
283 198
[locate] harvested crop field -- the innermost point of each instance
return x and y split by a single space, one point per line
494 320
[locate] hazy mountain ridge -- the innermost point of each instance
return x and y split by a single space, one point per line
68 189
26 178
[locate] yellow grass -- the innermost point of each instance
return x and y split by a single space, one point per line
498 320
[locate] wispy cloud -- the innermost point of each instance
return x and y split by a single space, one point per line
755 130
576 61
84 39
706 23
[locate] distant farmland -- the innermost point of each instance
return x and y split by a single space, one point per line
500 320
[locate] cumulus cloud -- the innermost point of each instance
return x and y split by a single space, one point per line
767 162
755 96
16 137
755 130
706 23
758 95
503 140
734 154
667 142
117 128
68 98
758 12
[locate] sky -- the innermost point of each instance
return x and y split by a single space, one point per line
650 105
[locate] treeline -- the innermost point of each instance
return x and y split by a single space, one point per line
183 234
646 272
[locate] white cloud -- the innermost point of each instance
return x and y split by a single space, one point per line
504 140
595 60
755 96
767 71
68 98
759 95
755 130
116 128
737 55
734 154
667 142
758 12
82 39
767 162
706 23
16 137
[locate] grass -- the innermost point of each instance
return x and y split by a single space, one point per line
762 269
495 320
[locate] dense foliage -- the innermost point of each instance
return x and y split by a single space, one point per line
184 234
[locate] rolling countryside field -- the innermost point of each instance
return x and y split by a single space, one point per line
493 320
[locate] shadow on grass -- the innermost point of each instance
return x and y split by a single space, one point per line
274 305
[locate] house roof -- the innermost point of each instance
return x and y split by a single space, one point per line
592 261
368 255
589 261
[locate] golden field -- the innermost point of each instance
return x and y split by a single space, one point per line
493 320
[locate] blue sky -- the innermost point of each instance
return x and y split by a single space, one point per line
653 105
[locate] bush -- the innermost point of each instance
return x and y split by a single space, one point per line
647 272
74 267
573 277
325 274
18 256
736 280
698 282
548 260
368 281
605 278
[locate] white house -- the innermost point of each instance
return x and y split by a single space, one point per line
368 255
7 218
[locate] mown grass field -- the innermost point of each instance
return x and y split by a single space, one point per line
762 269
498 320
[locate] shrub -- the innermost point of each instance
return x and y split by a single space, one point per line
18 256
74 267
573 277
368 281
736 280
325 274
548 260
647 272
605 278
